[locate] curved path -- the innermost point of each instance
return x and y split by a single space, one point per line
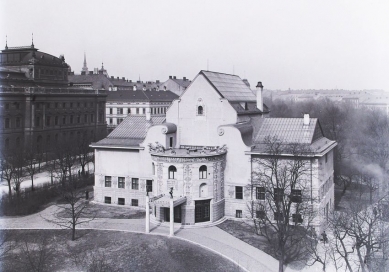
247 257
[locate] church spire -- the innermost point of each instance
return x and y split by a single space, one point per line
32 40
6 42
85 67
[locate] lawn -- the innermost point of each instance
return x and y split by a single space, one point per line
105 251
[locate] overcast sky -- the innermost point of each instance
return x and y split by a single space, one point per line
285 44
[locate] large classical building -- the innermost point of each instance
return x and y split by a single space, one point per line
38 107
202 154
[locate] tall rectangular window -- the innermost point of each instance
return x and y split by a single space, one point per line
260 193
63 120
7 123
37 121
120 110
18 122
108 181
110 110
149 185
296 196
238 213
135 184
238 192
71 119
121 182
85 118
48 119
278 194
171 141
56 120
92 119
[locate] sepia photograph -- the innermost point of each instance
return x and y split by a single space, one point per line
190 135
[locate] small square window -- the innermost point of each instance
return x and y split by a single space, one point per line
121 201
107 200
260 214
121 182
295 196
238 213
238 192
297 218
134 202
135 184
108 182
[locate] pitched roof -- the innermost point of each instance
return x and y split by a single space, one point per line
131 132
290 130
182 82
231 87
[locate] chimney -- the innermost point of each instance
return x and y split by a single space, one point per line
170 77
174 77
117 78
148 115
82 72
306 119
157 81
91 72
259 96
112 77
184 78
123 78
130 80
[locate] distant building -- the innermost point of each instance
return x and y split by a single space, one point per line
175 85
377 103
126 97
38 107
201 155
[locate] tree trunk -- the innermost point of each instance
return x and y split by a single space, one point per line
281 262
32 183
9 188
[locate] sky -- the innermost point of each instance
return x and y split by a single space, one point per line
285 44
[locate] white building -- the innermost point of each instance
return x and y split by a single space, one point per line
203 150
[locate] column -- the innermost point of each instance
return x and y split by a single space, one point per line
171 217
147 215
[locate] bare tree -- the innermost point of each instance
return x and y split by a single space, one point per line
282 212
30 162
74 210
84 152
7 169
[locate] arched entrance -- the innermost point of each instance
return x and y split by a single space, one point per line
202 211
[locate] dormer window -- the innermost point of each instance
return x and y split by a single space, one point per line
200 110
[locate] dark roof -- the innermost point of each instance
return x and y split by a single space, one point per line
231 87
182 82
290 130
131 132
98 81
139 95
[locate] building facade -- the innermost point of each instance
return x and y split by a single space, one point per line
201 155
37 106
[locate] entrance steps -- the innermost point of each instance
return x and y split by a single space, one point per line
195 226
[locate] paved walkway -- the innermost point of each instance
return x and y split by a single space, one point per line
213 238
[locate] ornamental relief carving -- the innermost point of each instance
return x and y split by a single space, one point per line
189 160
160 177
215 176
222 167
187 178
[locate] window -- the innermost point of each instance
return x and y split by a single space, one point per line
297 218
7 123
200 110
120 182
172 172
326 157
100 116
278 194
260 214
37 121
56 120
110 110
135 184
7 106
48 120
260 193
71 119
295 196
107 200
137 110
238 213
92 118
238 192
85 118
78 119
149 185
110 121
108 181
17 105
278 216
171 142
121 201
153 168
63 120
18 122
120 110
120 120
203 172
134 202
63 105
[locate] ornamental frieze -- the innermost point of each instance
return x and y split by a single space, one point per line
215 176
188 160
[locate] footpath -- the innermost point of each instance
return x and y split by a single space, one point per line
213 238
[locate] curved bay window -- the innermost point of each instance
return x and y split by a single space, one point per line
172 172
203 172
